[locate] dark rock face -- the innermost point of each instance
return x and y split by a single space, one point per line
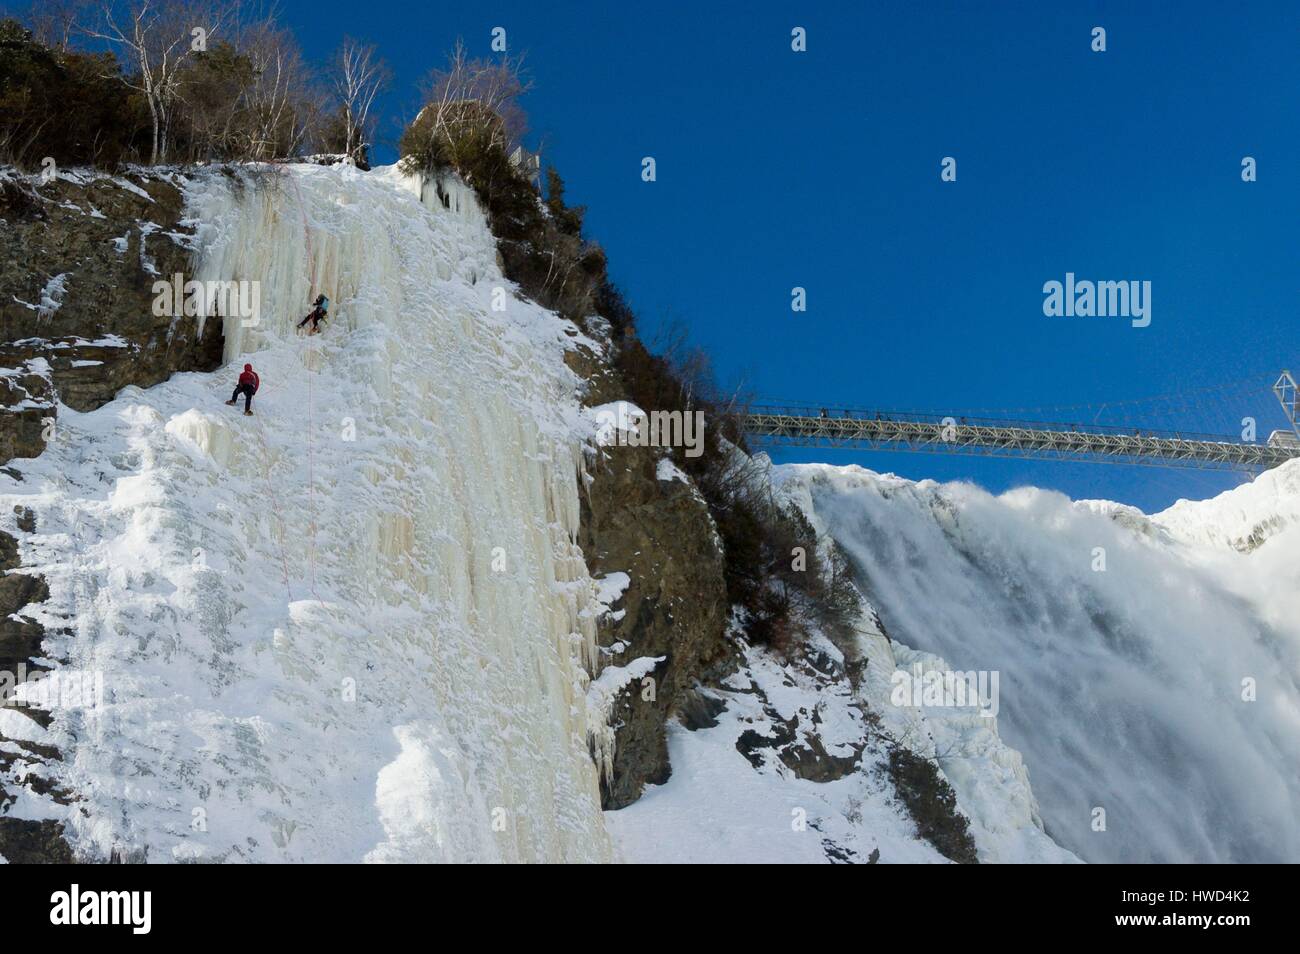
26 406
795 738
20 640
810 759
78 259
660 533
25 842
20 636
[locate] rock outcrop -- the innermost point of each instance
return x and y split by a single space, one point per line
659 532
78 258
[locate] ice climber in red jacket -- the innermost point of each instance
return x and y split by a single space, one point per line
248 384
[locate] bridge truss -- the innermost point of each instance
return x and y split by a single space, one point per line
931 433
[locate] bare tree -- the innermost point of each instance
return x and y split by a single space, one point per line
357 76
475 96
157 38
278 99
54 22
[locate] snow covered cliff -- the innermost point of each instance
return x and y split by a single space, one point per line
353 626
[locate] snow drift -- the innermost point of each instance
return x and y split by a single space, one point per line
354 626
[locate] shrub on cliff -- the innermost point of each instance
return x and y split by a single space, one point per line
568 219
469 137
470 122
468 125
775 568
933 805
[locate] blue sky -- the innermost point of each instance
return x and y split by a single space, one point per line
821 169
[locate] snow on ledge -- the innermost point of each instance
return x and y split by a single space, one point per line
668 471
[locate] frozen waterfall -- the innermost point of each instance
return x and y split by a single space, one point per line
355 626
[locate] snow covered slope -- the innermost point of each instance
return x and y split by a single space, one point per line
351 627
796 766
732 799
1148 665
731 802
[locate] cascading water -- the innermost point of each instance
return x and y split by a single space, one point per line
353 626
1148 665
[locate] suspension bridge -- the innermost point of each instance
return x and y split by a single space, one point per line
1003 437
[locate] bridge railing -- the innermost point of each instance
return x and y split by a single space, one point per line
956 434
963 420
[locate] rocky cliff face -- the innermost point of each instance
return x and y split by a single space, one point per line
78 258
639 520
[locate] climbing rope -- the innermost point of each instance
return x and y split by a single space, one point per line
275 502
311 403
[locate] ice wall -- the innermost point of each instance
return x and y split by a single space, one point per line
1127 689
354 626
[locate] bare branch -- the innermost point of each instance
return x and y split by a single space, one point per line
357 77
